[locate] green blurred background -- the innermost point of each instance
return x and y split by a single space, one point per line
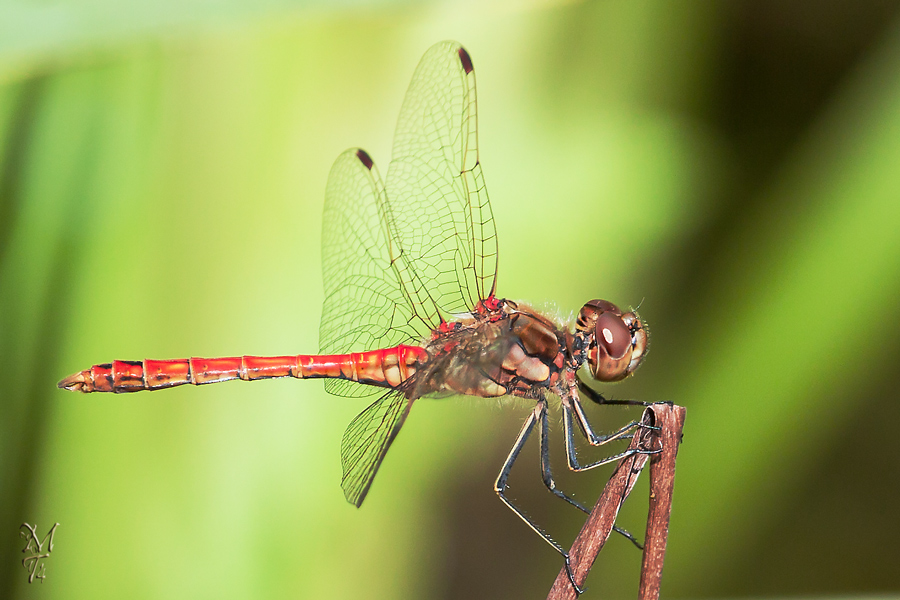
734 168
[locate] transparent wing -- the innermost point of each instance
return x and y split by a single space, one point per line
399 259
364 307
439 219
367 440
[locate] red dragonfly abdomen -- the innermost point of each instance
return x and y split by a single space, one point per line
388 368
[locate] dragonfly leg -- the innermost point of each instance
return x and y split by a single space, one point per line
500 487
575 466
628 536
599 398
572 405
546 474
570 442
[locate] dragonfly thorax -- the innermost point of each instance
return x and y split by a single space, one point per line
494 351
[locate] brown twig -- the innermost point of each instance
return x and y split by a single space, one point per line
599 524
670 419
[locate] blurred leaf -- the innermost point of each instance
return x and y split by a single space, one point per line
41 35
789 321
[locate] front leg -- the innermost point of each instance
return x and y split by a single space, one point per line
570 442
597 397
572 408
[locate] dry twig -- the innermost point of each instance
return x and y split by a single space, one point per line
670 420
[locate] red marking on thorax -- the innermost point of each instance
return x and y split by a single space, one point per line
489 304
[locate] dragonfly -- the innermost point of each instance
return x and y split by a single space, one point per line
411 308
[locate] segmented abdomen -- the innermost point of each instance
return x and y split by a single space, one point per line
387 368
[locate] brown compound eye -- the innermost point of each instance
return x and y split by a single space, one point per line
619 340
612 335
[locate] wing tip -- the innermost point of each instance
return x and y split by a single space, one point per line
357 499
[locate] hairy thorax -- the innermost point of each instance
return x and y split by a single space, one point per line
502 351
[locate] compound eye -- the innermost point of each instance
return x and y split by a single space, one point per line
604 306
613 335
610 354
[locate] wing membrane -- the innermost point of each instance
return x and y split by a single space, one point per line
439 216
364 304
367 440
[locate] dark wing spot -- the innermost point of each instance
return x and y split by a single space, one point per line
365 158
466 60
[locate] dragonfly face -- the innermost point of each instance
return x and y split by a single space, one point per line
612 342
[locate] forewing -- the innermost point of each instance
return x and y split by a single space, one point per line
439 219
367 440
364 306
399 260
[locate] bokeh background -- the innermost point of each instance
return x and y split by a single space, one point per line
733 168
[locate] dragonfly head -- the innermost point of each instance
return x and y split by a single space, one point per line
613 342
